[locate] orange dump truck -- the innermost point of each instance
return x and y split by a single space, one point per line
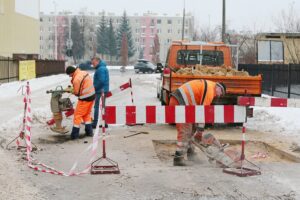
189 54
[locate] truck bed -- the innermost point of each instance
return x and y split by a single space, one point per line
236 85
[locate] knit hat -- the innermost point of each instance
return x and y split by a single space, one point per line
222 86
70 69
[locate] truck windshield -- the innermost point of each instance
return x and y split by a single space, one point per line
193 57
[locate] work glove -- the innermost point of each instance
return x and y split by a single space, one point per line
69 89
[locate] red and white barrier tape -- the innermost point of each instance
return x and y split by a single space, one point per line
38 166
175 114
268 102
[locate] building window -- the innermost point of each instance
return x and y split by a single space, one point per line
49 29
169 30
169 40
169 21
143 30
179 31
49 19
152 22
137 30
41 19
158 21
158 30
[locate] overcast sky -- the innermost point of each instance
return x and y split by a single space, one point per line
252 15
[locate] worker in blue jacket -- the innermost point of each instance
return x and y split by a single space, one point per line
101 84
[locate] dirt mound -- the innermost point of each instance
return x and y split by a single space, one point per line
202 70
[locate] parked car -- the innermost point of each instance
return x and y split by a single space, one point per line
144 66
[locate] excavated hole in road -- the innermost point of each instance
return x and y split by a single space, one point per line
255 151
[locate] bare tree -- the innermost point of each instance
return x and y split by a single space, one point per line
206 34
288 21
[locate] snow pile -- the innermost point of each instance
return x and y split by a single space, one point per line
276 120
9 90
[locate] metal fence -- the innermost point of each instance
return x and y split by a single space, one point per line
278 79
9 68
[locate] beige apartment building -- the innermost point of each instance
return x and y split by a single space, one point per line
19 27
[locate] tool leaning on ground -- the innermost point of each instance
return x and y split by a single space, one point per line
59 105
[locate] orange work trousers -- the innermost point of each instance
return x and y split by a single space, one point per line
83 113
185 132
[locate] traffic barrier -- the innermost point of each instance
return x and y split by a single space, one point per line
268 102
175 114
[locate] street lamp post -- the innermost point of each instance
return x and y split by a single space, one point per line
224 21
183 21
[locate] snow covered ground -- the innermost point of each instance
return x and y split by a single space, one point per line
142 176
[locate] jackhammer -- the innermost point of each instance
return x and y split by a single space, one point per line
59 105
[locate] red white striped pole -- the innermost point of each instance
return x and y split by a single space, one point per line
102 106
131 91
243 142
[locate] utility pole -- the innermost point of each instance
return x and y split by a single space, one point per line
183 21
224 22
55 30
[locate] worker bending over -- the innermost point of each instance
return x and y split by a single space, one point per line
196 92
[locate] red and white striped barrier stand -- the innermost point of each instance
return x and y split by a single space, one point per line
243 167
175 114
107 166
123 87
268 102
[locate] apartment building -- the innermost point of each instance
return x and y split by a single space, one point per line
19 28
55 27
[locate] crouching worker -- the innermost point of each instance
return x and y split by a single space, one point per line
82 88
196 92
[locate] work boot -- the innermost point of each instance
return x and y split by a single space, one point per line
89 130
179 159
75 133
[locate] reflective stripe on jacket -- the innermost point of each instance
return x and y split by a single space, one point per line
83 85
195 92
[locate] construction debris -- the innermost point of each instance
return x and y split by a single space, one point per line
203 70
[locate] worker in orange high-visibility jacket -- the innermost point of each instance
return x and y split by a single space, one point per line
84 89
196 92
